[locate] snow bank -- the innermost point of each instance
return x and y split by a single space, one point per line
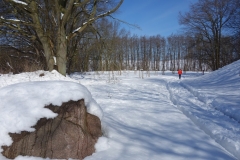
220 89
8 79
212 102
220 127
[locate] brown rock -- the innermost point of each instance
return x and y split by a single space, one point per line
72 134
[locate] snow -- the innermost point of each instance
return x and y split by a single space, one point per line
76 30
22 104
55 60
20 2
158 117
16 20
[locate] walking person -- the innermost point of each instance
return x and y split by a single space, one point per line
179 73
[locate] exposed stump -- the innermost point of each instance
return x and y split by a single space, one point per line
72 134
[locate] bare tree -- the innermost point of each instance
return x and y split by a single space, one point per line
210 19
55 23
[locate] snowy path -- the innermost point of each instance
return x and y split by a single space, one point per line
220 127
142 123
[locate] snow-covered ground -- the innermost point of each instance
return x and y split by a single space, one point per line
158 117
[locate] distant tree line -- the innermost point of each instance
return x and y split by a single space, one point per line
211 41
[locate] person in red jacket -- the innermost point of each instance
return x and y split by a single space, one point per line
180 73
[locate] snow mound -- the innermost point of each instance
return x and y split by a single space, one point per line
215 106
225 84
8 79
226 74
22 104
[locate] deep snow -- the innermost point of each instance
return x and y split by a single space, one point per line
158 117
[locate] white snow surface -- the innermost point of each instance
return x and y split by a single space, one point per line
158 117
20 2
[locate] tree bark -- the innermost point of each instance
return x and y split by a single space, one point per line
42 36
62 51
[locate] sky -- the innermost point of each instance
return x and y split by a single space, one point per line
153 16
151 116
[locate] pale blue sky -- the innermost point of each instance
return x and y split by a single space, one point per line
153 16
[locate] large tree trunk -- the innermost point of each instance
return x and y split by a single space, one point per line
42 36
62 51
48 56
62 60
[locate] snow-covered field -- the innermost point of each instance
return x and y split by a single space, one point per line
158 117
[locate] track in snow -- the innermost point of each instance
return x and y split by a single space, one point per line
142 122
223 129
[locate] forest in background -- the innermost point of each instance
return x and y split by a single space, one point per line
211 40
